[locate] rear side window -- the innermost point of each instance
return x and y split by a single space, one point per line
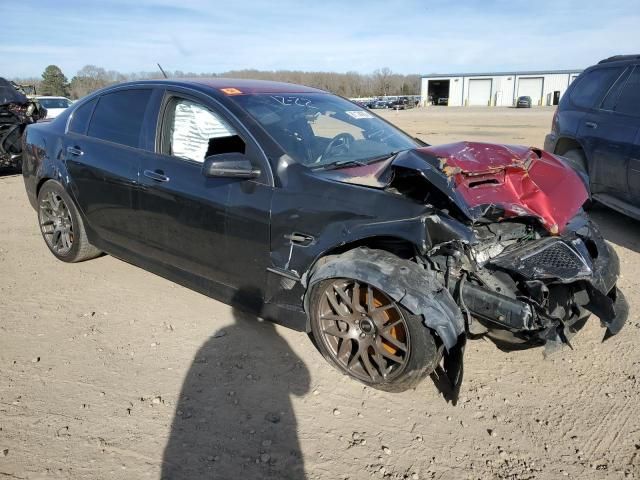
629 99
593 85
81 116
119 115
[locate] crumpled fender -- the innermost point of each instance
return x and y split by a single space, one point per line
405 282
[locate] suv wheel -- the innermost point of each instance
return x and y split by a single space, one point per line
577 159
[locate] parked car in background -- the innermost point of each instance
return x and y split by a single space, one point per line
443 101
310 211
379 104
597 128
523 102
401 103
54 105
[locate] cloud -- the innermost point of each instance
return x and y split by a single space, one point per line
410 36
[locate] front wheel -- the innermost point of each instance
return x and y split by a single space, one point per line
61 225
370 337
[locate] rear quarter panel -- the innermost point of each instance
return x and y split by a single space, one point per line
42 156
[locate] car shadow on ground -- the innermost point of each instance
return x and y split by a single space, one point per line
617 228
234 417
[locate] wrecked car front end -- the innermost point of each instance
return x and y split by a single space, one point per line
508 238
536 291
16 112
534 266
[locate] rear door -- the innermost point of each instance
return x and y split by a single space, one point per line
214 228
628 109
102 153
605 138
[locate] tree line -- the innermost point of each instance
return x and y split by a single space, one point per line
350 84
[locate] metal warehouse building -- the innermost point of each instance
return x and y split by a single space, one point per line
496 89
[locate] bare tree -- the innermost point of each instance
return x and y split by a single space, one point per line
382 78
350 84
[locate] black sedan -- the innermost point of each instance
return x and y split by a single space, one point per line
311 211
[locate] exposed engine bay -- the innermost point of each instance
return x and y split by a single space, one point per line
16 112
522 287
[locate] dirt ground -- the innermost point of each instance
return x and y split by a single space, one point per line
107 371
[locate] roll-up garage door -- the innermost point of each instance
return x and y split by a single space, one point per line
530 87
479 91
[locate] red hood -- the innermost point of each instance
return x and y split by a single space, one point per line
520 180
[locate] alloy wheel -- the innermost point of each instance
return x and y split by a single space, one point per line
365 331
56 223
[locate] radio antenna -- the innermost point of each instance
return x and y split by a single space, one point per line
163 72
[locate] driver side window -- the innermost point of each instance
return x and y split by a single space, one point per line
192 129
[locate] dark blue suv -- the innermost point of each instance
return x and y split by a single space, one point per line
597 128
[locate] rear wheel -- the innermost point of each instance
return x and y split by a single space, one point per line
577 159
579 162
368 336
61 225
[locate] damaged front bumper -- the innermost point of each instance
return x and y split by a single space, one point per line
557 283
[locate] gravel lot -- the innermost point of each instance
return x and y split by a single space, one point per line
107 371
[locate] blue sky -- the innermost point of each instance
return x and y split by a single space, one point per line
409 36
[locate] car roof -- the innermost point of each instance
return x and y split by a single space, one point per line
620 58
50 96
244 86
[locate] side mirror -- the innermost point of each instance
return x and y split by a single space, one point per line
229 165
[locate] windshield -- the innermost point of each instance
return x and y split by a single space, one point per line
54 102
321 130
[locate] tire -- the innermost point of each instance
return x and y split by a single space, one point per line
61 225
578 161
374 340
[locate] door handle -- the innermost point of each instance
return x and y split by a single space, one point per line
157 175
591 124
75 151
301 239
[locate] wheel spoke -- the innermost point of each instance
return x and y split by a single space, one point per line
337 308
369 368
344 297
389 326
353 360
370 306
66 240
355 298
381 362
383 308
56 237
393 341
334 331
345 347
386 354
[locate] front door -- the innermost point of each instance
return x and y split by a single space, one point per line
216 229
